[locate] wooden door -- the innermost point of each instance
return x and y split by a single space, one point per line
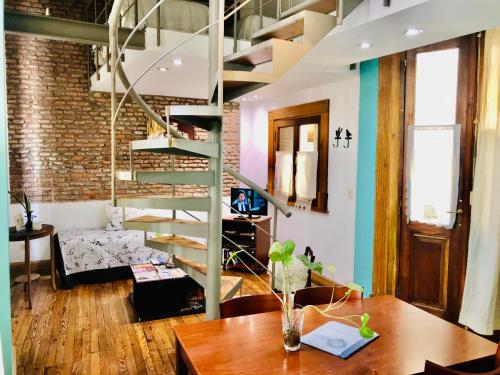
439 93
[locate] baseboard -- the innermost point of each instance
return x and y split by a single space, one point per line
41 267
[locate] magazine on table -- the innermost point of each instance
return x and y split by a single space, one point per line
337 339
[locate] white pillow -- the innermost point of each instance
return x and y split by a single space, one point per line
114 217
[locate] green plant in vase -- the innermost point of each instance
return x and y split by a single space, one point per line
293 315
25 202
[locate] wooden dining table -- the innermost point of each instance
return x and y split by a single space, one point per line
253 344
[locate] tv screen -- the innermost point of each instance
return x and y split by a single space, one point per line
248 202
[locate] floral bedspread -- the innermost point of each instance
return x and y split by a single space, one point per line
94 249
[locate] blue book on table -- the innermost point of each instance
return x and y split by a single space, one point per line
337 339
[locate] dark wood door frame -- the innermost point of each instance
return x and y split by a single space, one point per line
390 143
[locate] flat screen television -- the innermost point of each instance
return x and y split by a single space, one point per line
247 202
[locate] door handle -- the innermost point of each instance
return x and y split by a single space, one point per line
458 212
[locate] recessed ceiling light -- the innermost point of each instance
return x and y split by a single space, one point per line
163 69
413 31
364 45
256 96
177 61
244 99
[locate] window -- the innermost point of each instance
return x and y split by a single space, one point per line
298 137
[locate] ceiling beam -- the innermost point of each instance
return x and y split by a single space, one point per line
67 30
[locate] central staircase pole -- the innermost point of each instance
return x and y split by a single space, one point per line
214 248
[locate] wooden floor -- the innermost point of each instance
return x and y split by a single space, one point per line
91 330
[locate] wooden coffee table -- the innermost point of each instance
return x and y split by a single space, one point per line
27 236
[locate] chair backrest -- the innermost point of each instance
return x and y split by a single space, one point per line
432 368
321 295
249 305
309 253
435 369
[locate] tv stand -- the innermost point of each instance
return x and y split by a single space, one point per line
248 235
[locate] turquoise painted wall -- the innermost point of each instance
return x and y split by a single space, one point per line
5 328
365 183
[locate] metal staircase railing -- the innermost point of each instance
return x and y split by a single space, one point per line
213 228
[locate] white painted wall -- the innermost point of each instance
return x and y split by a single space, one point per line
69 215
331 235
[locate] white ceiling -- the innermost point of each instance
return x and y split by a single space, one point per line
382 27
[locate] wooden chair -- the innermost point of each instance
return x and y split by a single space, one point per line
321 295
249 305
432 368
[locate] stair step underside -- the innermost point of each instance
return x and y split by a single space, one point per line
180 246
286 28
169 177
313 27
320 6
150 223
234 79
254 55
167 203
201 116
229 284
177 146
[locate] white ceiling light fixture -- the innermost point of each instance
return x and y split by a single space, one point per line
177 61
162 69
364 45
412 31
243 99
256 96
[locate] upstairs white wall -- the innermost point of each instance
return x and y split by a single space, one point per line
331 235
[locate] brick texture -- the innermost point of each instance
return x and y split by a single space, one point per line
59 131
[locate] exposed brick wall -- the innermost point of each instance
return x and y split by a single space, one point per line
59 131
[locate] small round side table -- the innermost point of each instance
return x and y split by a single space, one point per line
27 236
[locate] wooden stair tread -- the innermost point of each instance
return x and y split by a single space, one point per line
320 6
201 268
160 219
180 241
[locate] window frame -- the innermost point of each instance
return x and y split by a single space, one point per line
296 116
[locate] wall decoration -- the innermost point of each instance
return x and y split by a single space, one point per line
348 137
338 136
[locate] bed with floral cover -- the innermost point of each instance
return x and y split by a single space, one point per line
101 255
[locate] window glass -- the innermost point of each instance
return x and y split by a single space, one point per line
308 137
433 171
286 139
436 87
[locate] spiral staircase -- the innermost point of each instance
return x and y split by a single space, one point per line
275 49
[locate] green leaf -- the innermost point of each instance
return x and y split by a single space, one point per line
330 268
316 267
233 255
304 259
287 260
276 257
288 247
354 286
364 319
275 248
366 332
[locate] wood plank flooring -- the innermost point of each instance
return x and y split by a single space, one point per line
91 330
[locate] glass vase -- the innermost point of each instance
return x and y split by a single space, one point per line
292 320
